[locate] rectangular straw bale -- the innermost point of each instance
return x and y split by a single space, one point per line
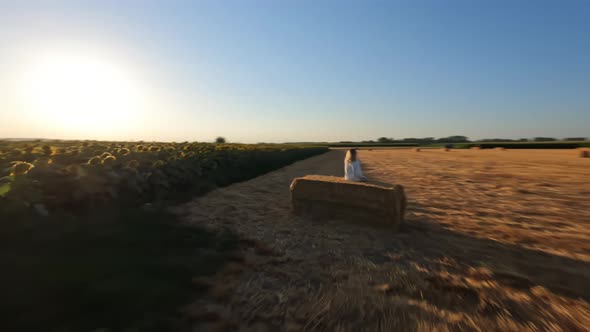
336 197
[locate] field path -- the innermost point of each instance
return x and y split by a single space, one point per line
493 240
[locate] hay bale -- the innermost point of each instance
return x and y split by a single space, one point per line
417 149
475 148
584 153
499 148
447 149
335 197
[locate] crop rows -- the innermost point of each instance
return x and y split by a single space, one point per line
75 176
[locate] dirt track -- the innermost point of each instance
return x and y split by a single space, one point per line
493 240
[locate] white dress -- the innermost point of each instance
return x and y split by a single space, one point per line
353 171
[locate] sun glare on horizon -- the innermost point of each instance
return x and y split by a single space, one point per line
81 94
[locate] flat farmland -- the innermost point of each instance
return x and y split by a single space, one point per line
494 240
533 198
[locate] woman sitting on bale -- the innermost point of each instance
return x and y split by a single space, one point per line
352 167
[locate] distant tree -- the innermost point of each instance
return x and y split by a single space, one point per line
458 139
545 139
411 140
575 138
523 140
384 140
220 140
425 140
454 139
496 140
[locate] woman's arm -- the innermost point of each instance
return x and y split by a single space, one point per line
359 172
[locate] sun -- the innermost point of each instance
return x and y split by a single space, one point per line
81 94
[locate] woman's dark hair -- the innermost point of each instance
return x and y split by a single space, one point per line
350 155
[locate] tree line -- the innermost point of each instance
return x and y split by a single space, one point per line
465 139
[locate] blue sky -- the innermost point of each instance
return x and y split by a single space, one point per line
277 71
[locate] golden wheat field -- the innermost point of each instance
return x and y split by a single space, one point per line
494 240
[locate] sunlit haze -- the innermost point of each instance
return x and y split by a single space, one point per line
82 95
276 71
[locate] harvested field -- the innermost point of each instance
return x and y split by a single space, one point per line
493 241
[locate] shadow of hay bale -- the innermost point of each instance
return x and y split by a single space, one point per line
512 265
